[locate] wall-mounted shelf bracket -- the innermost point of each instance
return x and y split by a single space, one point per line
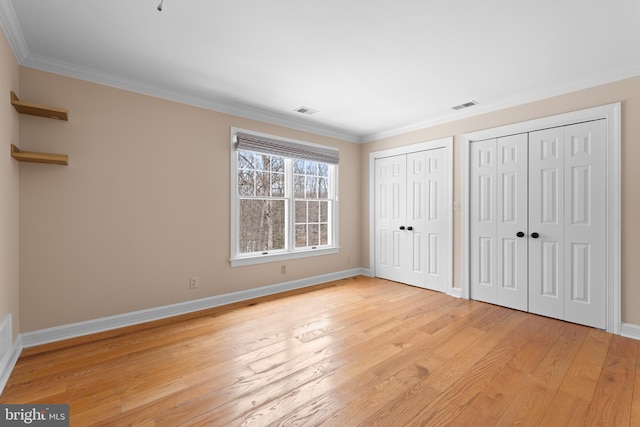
38 110
35 157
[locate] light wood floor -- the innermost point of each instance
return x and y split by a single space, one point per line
358 351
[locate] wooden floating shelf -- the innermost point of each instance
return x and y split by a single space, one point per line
38 110
35 157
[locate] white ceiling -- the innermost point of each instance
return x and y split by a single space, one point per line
372 68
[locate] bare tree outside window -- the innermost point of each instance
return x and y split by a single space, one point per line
284 204
311 198
263 207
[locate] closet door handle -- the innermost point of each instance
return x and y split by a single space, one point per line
402 227
520 234
409 228
535 235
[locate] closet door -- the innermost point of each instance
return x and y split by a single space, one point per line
567 200
417 211
546 222
390 215
484 221
499 221
585 239
513 216
427 210
411 219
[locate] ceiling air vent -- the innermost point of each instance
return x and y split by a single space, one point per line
465 105
305 110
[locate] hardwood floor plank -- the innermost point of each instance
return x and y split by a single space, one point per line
430 398
530 405
566 409
358 351
294 401
612 399
361 403
635 406
464 390
294 367
582 378
488 406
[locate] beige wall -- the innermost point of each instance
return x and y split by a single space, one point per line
143 205
626 91
9 264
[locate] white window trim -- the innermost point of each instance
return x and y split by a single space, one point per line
238 260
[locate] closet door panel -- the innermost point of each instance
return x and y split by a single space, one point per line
546 222
436 219
417 212
512 218
391 253
484 221
585 223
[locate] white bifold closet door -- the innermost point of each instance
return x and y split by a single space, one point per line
499 221
567 223
411 225
537 222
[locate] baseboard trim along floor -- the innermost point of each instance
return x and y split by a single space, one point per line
74 330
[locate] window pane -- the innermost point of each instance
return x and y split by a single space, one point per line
298 167
262 225
262 183
301 235
324 234
245 183
314 211
324 211
277 164
301 212
277 184
323 169
311 168
257 162
311 189
314 234
245 160
323 188
298 185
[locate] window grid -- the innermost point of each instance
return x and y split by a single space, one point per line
312 203
267 185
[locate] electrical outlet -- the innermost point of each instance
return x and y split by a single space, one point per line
193 282
283 269
456 206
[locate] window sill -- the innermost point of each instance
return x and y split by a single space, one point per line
260 259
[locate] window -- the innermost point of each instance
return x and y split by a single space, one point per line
284 202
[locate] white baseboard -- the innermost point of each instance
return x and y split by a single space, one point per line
9 352
630 330
73 330
456 292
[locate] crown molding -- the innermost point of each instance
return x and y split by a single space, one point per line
11 27
236 109
515 101
9 23
255 113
